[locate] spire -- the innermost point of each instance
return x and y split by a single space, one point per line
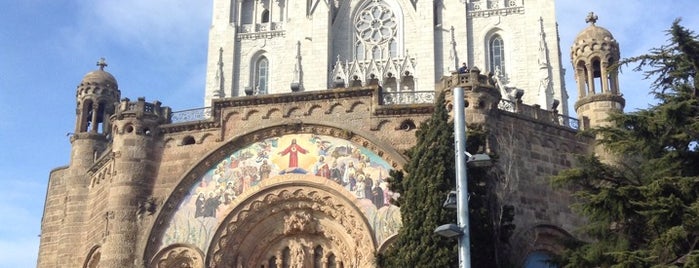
220 93
101 63
297 82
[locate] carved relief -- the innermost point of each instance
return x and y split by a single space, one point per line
299 209
300 222
179 256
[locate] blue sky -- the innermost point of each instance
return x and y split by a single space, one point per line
157 49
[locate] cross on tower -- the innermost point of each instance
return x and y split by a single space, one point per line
101 63
591 18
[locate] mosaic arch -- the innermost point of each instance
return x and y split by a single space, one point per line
358 172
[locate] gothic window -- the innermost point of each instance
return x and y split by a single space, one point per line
272 262
261 75
265 16
496 49
286 257
377 29
359 50
318 257
331 261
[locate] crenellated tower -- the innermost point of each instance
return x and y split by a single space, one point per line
135 142
481 95
594 55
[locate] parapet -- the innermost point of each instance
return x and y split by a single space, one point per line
141 109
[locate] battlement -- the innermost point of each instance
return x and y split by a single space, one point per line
141 109
472 80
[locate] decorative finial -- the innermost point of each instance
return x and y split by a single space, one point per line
591 18
101 63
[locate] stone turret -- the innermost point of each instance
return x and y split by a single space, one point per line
135 145
594 54
481 96
96 96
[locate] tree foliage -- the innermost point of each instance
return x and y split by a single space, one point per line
423 186
643 209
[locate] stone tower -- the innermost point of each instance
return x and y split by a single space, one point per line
96 96
594 54
136 135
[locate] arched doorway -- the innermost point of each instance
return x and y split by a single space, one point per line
294 221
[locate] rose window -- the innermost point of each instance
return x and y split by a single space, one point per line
376 23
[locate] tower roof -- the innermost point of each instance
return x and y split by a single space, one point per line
100 76
593 32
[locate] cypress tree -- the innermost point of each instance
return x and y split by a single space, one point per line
423 186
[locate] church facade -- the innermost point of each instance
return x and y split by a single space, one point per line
310 104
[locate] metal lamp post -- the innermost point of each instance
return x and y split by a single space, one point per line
461 179
461 229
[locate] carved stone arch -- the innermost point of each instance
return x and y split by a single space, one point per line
295 211
406 125
356 104
168 142
204 137
271 112
332 108
313 109
227 117
178 255
291 111
93 257
249 113
181 191
380 124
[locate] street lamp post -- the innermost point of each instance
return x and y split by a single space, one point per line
461 179
461 229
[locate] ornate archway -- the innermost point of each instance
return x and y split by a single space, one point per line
294 221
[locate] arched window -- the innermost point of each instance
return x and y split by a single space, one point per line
265 16
272 263
377 30
496 54
332 263
318 257
261 75
286 257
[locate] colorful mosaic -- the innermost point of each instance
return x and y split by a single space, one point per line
356 168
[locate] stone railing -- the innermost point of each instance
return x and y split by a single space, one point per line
495 8
260 30
407 97
539 114
191 115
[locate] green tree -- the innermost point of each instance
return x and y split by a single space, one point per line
423 186
643 209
